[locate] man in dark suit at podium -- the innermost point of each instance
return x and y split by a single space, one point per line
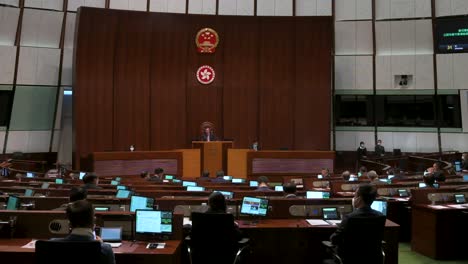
208 135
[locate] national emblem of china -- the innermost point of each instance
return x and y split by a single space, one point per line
207 40
205 74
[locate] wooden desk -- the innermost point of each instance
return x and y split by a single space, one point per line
11 252
269 162
295 241
133 163
213 155
439 233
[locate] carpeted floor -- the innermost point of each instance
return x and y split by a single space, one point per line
406 256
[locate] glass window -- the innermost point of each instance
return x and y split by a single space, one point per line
353 110
405 110
449 111
33 108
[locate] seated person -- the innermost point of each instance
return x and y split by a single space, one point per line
439 176
346 175
263 184
289 190
429 180
435 167
81 217
325 172
219 177
76 194
208 135
91 181
374 178
397 174
158 174
205 176
216 203
362 201
362 171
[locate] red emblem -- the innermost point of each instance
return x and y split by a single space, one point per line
205 74
207 40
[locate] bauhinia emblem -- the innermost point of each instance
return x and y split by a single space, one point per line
207 40
205 74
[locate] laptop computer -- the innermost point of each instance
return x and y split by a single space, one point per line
112 236
460 198
403 193
330 215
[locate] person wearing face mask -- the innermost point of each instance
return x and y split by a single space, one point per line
361 151
362 201
379 149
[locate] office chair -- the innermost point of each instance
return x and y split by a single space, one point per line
362 242
59 252
215 239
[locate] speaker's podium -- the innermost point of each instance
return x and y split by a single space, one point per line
213 155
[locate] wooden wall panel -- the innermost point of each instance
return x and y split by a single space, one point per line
132 82
169 50
204 101
135 81
240 91
312 84
276 83
93 84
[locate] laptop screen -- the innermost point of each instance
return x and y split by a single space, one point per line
422 185
13 203
238 180
58 181
168 177
195 188
29 175
458 166
254 206
123 194
403 193
227 178
153 222
253 183
121 187
102 208
111 234
188 183
29 192
140 202
330 213
279 188
114 182
317 195
82 174
380 206
465 178
460 198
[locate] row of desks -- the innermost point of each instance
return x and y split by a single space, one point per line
272 241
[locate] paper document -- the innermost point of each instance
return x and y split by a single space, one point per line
114 245
334 222
458 206
31 244
187 221
438 206
316 222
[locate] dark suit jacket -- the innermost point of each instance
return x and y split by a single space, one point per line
212 137
337 237
218 180
263 189
107 256
379 150
361 153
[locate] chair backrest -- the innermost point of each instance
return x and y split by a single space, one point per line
55 252
362 241
213 238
